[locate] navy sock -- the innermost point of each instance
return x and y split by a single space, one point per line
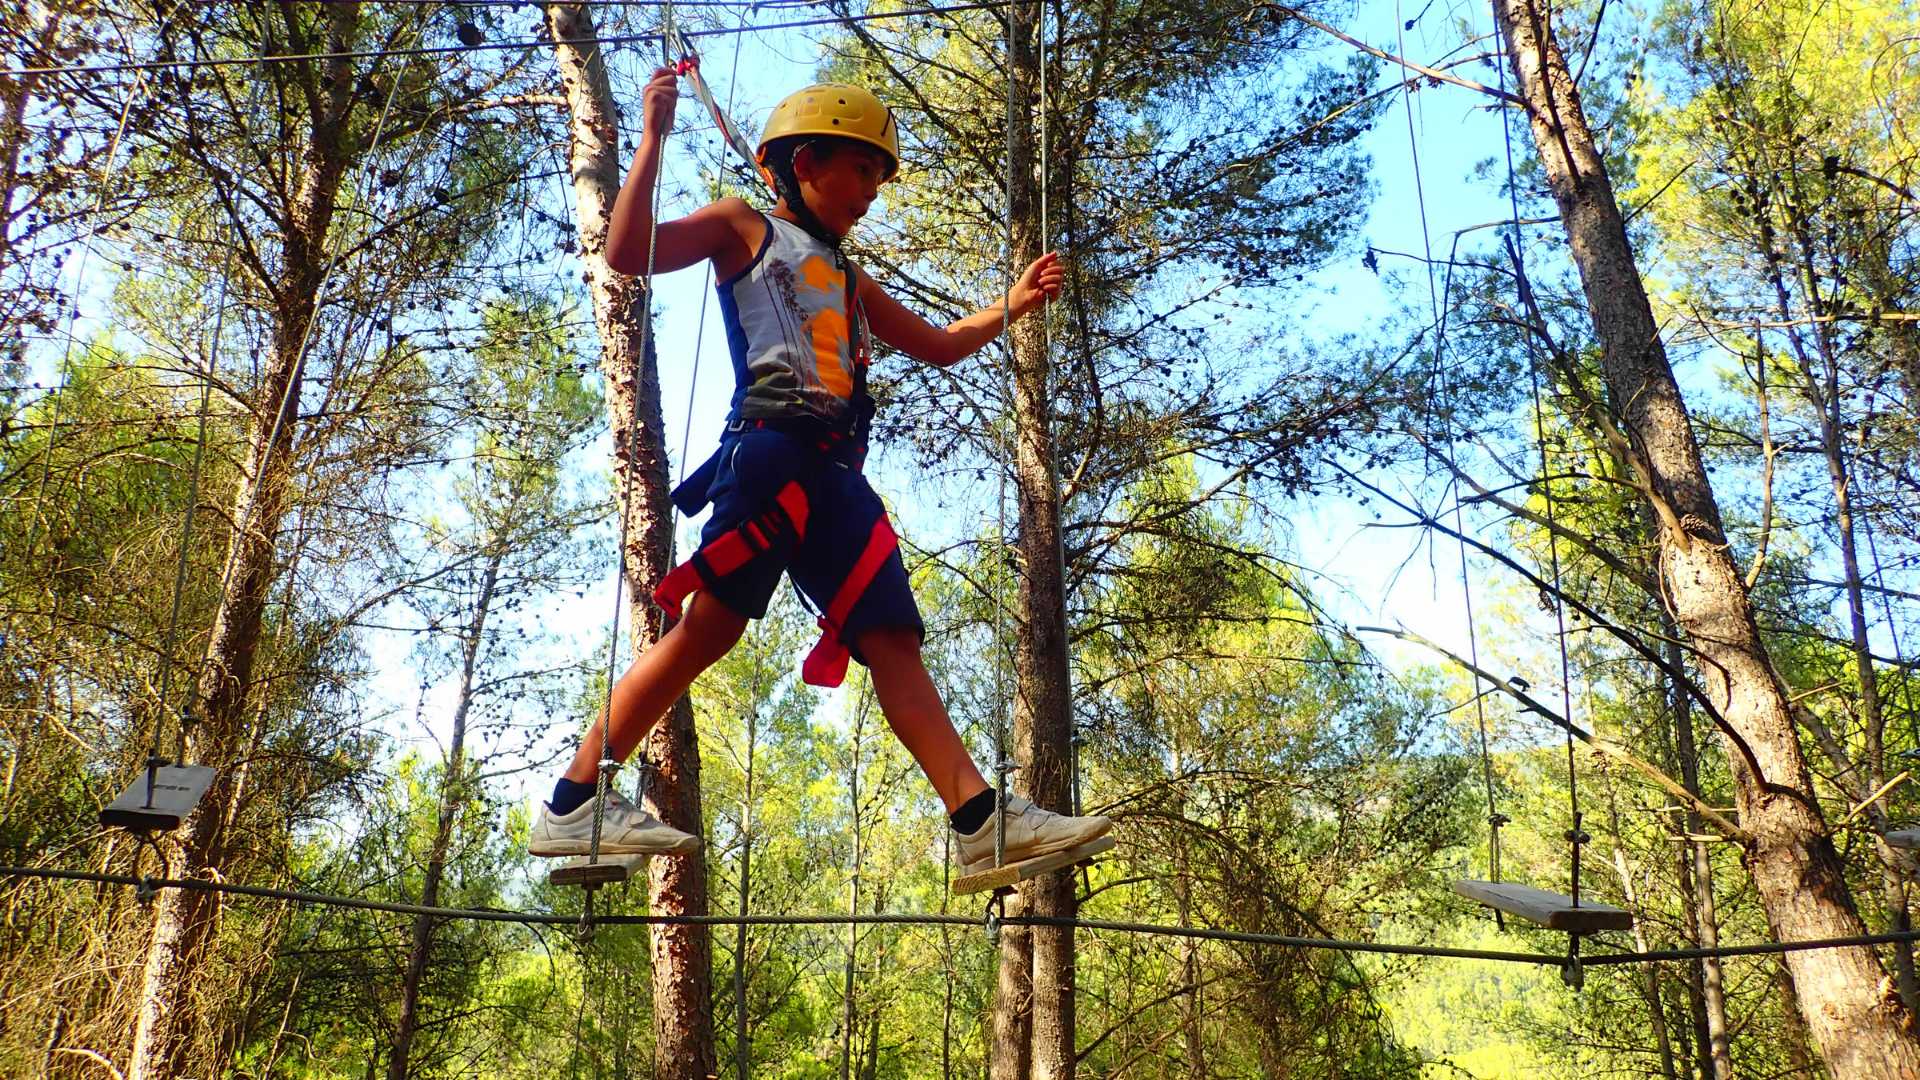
570 795
973 813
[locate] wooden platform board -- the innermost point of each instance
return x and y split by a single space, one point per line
1001 877
1551 910
175 791
1904 838
610 870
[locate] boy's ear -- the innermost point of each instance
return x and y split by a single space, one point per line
805 165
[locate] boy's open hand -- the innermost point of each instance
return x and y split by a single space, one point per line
657 101
1041 281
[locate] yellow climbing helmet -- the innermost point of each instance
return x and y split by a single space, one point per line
850 112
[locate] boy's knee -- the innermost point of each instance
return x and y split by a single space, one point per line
711 626
887 645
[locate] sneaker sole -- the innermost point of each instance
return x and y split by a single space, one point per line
551 849
1031 867
1028 856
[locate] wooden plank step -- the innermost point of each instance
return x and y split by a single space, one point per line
1551 910
610 870
159 798
1001 877
1903 838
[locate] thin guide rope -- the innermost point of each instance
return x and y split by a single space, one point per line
150 885
1444 409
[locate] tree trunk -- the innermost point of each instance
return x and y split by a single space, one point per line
1864 777
848 1015
1703 918
184 921
1011 1055
1858 1021
1798 1037
1043 707
15 93
1192 1035
452 797
682 955
1649 973
742 1039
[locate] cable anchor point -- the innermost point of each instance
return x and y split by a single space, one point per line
996 911
1574 972
583 932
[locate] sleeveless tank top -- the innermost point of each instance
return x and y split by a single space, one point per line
796 334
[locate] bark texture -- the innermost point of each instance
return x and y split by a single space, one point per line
1043 703
184 921
682 955
1851 1008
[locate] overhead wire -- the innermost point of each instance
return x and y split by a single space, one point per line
504 46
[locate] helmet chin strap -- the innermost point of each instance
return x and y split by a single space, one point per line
787 184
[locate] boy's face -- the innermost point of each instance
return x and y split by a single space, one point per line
840 189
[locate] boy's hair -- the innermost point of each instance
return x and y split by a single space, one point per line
778 158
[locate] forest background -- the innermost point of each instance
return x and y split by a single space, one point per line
316 332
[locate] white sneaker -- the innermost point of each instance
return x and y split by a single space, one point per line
1031 833
625 829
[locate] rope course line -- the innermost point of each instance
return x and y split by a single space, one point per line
1575 835
151 885
1444 404
444 50
645 371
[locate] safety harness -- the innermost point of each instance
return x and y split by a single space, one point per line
785 520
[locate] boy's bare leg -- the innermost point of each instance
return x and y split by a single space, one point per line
657 679
917 715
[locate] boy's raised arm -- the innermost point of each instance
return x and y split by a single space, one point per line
677 244
920 339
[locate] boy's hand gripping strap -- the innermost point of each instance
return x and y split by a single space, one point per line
826 665
730 551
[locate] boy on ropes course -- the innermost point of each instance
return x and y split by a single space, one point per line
786 487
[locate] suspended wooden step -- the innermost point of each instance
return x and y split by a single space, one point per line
1002 877
160 798
1549 909
1903 838
610 870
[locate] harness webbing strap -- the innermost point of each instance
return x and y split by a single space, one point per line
731 550
826 665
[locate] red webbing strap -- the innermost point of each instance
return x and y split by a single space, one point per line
826 665
731 550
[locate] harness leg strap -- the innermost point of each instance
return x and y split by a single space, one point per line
826 665
731 550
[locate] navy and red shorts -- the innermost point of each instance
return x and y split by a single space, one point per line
752 469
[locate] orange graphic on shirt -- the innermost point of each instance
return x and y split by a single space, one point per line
828 328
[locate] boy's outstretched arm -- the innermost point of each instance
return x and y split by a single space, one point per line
915 336
712 232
